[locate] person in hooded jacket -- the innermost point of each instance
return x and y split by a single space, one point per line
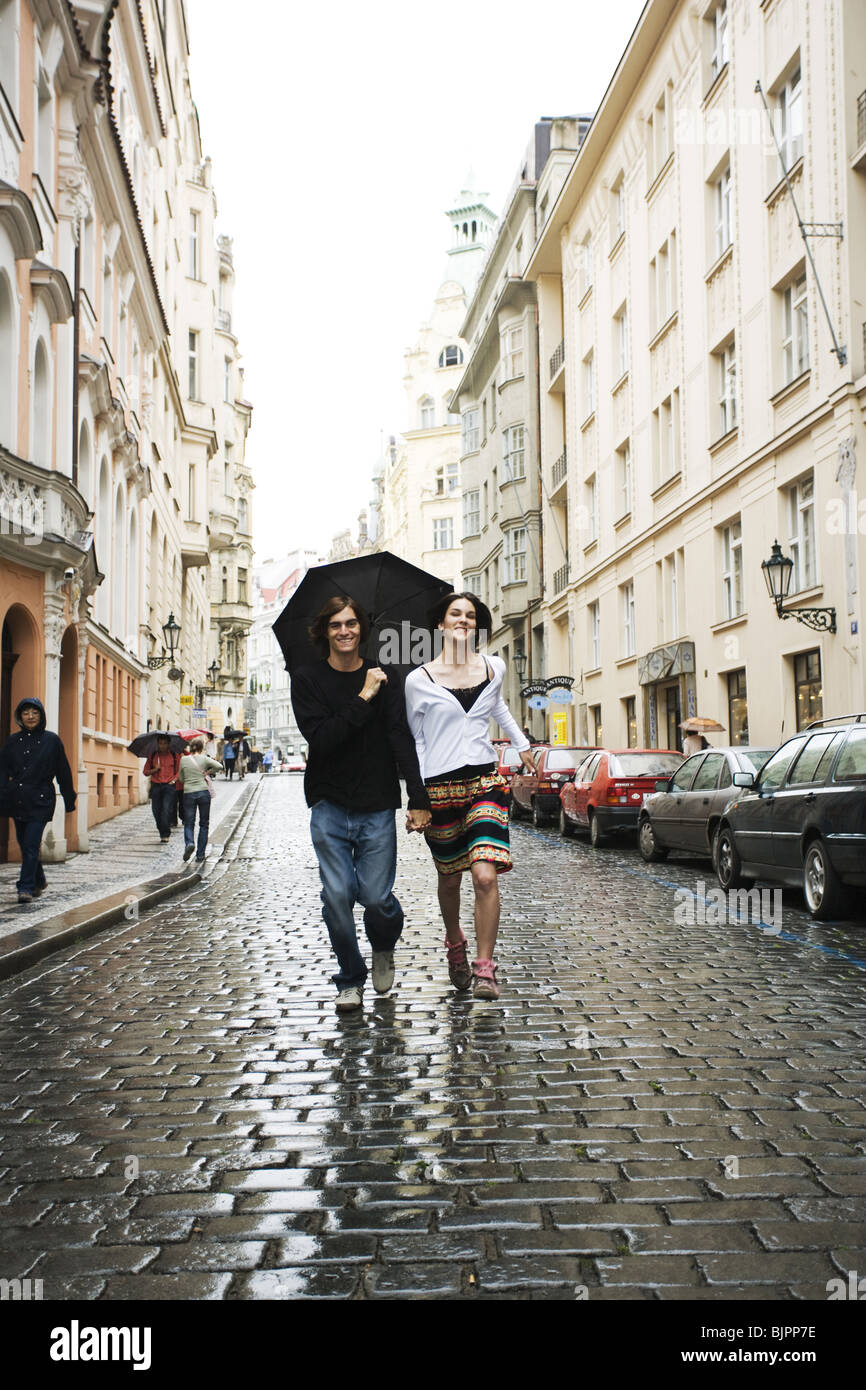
29 763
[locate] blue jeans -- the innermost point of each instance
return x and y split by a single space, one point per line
357 854
32 875
162 796
199 801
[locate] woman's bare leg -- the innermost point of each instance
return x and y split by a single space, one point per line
486 885
449 903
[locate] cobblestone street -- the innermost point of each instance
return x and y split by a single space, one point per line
653 1110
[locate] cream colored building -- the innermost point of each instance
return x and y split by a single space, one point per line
702 407
420 513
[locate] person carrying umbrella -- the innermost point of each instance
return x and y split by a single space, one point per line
229 758
29 763
161 767
351 714
450 702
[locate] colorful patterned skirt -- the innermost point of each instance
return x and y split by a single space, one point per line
469 823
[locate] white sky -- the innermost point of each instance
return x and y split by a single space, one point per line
340 133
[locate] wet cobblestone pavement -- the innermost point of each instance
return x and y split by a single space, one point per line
653 1110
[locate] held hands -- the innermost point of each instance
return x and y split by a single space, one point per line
417 820
527 760
373 682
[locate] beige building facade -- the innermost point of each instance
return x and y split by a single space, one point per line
710 396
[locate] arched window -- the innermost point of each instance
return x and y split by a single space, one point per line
225 597
85 463
118 587
132 586
7 362
427 409
243 516
41 407
451 356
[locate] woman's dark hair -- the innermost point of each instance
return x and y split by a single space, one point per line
483 620
318 629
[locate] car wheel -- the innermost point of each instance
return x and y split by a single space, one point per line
822 887
566 829
596 838
650 851
538 819
514 809
727 861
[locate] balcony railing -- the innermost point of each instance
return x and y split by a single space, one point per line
557 360
861 120
559 469
224 320
560 578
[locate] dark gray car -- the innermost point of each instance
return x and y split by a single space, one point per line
686 814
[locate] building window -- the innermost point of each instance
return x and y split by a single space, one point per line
231 654
443 533
243 516
808 688
428 413
471 432
595 725
589 385
659 133
738 709
451 356
801 534
193 264
513 455
720 52
627 603
617 210
590 492
447 480
623 480
727 378
732 569
671 569
629 708
795 330
242 586
663 283
665 439
45 134
620 343
191 493
192 363
586 263
594 636
227 379
512 352
514 552
722 207
790 120
471 513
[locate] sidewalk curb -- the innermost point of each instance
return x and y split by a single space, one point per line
24 948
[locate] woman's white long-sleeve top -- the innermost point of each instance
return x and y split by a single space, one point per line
446 736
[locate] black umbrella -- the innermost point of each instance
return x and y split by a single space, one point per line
395 596
145 744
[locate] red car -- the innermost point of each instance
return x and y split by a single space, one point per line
509 761
536 794
609 789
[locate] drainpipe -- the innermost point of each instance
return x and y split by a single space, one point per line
75 348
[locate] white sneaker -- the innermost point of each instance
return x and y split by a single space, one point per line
348 999
383 971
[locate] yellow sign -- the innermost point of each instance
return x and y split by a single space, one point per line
559 726
187 700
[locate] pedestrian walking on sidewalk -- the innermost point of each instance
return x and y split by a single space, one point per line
450 702
161 767
243 757
229 758
29 763
268 761
353 718
192 776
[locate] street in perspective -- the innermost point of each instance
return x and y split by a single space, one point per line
432 695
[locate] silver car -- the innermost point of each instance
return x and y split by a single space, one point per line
685 814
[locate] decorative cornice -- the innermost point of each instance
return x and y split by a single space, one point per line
19 218
52 287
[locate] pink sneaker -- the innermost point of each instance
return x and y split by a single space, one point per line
458 965
484 984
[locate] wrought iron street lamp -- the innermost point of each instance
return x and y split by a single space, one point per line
519 660
777 575
171 637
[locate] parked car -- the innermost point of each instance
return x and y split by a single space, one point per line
609 789
536 794
293 764
802 820
509 761
684 813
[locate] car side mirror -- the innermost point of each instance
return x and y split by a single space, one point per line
663 784
744 779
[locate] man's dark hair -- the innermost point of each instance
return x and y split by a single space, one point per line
318 629
483 620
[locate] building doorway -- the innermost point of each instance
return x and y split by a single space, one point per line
8 658
671 715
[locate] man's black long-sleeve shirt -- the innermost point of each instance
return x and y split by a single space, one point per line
356 747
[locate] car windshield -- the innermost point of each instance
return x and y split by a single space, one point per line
559 760
510 757
754 758
644 764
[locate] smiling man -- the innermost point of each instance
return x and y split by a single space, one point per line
353 717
